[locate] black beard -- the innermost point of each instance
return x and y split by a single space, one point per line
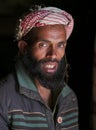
54 81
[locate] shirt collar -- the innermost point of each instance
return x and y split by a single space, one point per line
23 77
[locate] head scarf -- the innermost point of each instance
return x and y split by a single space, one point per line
45 16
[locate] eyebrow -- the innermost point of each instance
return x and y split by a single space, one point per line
44 40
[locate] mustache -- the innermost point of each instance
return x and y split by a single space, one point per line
48 60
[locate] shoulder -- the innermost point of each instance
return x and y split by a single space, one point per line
7 83
8 90
69 96
67 91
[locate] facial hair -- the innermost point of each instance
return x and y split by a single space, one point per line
54 81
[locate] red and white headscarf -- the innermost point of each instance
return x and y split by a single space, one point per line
45 16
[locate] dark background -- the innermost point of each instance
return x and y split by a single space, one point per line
79 49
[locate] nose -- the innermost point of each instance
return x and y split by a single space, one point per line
51 52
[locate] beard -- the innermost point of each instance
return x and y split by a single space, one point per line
53 81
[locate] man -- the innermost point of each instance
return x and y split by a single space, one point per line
35 96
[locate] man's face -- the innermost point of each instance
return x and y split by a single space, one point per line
44 59
49 46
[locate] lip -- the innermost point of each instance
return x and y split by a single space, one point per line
50 67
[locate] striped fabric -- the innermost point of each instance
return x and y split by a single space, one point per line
70 118
21 120
27 120
45 16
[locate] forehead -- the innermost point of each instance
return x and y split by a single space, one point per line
58 27
48 30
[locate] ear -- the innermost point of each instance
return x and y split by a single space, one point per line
22 45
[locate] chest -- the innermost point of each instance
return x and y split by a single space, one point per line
34 115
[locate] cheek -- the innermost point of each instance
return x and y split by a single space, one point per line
39 54
61 53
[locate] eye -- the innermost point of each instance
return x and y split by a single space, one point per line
43 44
61 45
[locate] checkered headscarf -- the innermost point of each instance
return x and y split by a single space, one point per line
45 16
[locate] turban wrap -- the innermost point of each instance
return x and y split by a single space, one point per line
45 16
